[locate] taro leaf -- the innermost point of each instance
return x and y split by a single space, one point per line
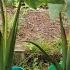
35 3
31 3
56 1
54 10
68 10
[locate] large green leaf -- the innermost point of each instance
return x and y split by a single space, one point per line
35 3
54 10
68 9
56 1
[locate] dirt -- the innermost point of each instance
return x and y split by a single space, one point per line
35 25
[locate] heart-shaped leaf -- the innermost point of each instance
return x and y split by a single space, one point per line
35 3
54 10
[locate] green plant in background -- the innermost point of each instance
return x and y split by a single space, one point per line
50 48
46 54
36 59
7 42
56 9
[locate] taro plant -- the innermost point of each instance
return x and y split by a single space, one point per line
56 9
7 40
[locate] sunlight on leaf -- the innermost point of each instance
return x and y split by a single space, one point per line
54 10
35 4
68 10
56 1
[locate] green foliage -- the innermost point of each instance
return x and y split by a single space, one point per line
68 10
55 9
56 1
35 4
68 53
58 67
35 64
64 42
1 52
7 43
11 2
48 48
56 5
36 59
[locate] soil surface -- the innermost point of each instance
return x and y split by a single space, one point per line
35 25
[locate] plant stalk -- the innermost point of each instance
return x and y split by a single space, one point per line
12 38
64 42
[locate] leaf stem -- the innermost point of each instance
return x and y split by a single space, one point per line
64 42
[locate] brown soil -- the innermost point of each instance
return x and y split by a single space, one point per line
37 24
